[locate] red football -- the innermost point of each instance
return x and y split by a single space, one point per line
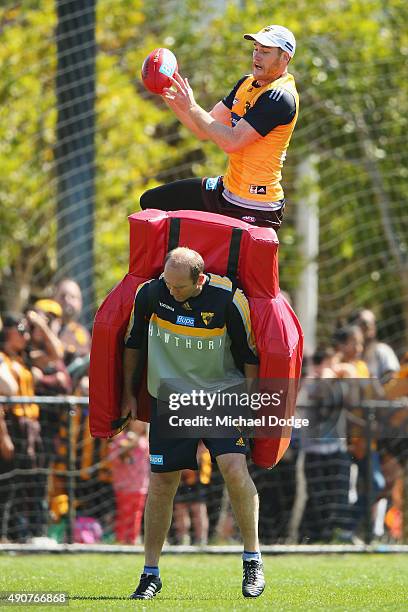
158 66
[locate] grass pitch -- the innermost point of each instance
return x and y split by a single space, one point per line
213 582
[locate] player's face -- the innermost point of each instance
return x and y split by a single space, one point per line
180 284
267 62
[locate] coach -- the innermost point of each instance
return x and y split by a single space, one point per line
198 326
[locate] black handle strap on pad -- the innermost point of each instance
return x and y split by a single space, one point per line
120 423
174 234
233 257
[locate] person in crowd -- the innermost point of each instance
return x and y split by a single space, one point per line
394 448
253 125
349 342
8 386
327 461
74 336
45 356
28 516
129 463
380 358
198 324
190 510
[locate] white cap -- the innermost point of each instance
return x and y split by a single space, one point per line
275 36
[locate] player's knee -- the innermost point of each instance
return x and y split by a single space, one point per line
164 484
233 468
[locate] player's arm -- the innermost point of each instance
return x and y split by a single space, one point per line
219 113
131 360
229 139
135 339
275 107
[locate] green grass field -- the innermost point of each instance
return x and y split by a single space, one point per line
213 582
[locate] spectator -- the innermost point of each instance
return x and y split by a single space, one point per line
8 386
27 508
129 459
350 344
45 352
74 336
327 462
394 449
380 358
190 508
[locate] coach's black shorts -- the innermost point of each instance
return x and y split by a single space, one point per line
171 454
195 194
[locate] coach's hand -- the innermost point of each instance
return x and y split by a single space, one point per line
129 405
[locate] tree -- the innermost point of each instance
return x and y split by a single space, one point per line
350 70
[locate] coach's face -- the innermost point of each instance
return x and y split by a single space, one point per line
180 284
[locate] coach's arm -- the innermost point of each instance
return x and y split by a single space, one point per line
131 362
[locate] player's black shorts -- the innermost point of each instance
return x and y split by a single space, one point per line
193 194
171 454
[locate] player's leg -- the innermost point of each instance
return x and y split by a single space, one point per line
230 454
245 504
243 496
185 194
167 458
158 513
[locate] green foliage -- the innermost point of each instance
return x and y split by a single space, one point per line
350 68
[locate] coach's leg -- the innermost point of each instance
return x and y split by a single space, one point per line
179 195
158 513
243 496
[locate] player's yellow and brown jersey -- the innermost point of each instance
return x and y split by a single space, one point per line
197 343
254 172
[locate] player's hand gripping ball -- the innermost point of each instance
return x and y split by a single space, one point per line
158 66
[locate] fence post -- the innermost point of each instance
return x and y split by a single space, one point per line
405 497
369 475
71 474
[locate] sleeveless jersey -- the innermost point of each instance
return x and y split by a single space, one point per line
254 172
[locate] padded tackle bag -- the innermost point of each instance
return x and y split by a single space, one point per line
248 255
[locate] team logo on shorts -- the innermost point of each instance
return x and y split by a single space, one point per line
211 183
156 459
207 317
257 189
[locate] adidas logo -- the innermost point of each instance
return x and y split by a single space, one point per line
240 442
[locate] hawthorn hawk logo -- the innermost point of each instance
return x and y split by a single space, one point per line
207 317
